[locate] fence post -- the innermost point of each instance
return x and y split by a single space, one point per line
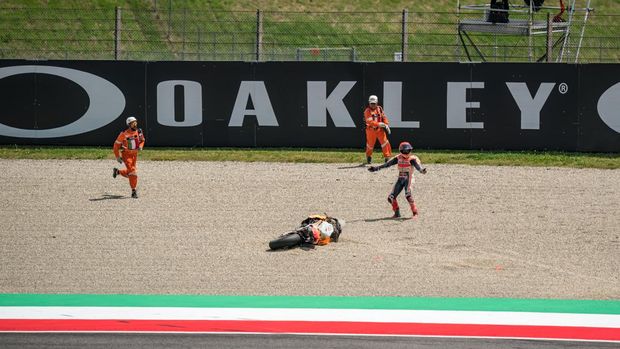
184 23
259 34
117 34
169 17
549 36
214 46
199 41
530 22
405 39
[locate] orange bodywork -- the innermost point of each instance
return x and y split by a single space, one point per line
318 238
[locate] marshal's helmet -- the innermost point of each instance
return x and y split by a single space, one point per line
130 120
405 148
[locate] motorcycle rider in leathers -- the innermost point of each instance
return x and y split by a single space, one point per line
406 163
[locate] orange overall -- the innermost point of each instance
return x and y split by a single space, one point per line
127 145
372 118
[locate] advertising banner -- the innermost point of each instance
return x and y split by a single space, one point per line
480 106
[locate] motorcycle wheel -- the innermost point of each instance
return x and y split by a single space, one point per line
284 241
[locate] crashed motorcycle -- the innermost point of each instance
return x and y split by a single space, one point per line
312 231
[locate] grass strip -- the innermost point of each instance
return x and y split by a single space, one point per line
309 155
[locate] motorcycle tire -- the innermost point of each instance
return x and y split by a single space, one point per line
285 241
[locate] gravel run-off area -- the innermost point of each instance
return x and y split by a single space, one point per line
203 227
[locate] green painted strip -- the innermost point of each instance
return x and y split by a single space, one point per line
321 302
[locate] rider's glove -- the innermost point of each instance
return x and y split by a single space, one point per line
119 159
373 169
423 171
382 125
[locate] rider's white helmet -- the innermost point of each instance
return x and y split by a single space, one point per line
130 120
373 99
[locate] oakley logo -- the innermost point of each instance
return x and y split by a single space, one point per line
609 107
107 102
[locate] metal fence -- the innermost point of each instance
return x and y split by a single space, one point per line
189 34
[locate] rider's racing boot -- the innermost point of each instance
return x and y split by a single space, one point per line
396 214
414 209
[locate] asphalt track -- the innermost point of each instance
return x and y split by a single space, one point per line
258 341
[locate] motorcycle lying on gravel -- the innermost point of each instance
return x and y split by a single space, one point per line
314 230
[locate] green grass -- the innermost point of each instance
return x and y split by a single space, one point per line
351 156
226 30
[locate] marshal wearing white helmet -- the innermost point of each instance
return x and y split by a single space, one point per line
126 148
130 120
377 128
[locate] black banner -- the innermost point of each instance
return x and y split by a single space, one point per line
484 106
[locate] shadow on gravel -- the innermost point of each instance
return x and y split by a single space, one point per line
354 166
304 247
108 197
369 220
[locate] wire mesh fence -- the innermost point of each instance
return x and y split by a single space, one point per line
166 33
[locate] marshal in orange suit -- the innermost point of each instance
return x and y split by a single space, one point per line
377 128
126 148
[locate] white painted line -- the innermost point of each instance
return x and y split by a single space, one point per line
305 314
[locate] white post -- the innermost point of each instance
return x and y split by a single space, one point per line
405 39
117 34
